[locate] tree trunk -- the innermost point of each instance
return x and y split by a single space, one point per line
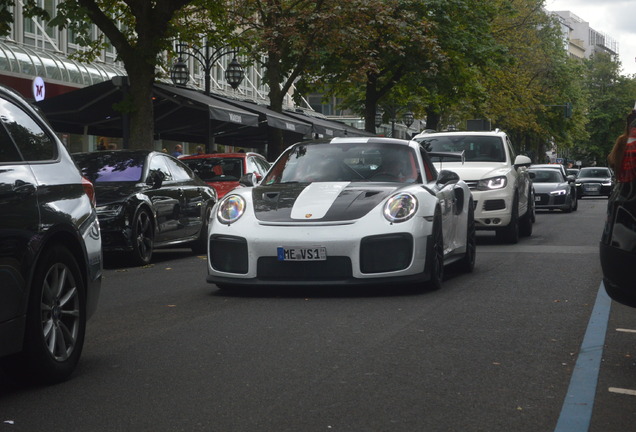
432 118
370 103
141 125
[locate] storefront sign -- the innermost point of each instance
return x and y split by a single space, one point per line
38 88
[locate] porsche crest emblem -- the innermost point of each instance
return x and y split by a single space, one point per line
308 215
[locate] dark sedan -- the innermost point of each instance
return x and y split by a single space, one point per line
594 181
145 200
50 248
552 191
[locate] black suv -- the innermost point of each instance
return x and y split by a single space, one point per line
50 248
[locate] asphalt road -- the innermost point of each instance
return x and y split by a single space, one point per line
494 350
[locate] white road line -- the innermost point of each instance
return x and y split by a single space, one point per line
622 391
625 330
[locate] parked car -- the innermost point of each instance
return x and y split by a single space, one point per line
344 211
552 191
50 248
146 200
570 179
594 181
222 171
618 245
497 177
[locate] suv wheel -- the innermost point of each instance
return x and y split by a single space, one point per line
55 322
510 233
526 221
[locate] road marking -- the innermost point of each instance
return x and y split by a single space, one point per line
542 249
576 411
625 330
622 391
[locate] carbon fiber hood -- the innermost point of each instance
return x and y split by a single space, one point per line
322 201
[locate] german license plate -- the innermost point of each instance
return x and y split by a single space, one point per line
592 188
537 198
292 253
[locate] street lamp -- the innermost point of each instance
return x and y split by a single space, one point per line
179 73
408 118
207 58
234 73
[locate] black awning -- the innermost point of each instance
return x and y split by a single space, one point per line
219 110
328 128
180 114
272 118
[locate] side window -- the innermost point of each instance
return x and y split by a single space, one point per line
511 150
251 165
32 141
179 171
158 164
430 172
262 164
8 152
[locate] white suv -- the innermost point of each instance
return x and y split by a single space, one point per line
501 186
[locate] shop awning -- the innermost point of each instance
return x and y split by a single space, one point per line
272 118
328 128
180 114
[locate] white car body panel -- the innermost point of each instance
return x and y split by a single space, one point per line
307 227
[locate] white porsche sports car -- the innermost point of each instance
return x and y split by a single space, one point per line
344 211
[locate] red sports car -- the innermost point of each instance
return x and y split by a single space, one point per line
222 171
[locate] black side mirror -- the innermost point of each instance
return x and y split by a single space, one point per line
248 180
155 179
447 177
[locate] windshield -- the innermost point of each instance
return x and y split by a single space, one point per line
101 167
215 169
594 172
547 176
345 162
476 148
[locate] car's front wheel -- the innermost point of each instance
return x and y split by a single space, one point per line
142 238
55 321
436 253
510 233
467 263
200 245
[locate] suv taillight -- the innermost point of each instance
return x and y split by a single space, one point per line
89 189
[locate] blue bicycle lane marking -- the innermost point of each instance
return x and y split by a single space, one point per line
576 412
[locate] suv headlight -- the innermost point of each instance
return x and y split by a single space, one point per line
231 209
492 183
400 207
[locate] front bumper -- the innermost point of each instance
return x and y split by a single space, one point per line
357 253
593 189
552 202
493 208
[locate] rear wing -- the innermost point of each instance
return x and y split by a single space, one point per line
440 157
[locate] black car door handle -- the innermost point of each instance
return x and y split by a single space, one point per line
21 187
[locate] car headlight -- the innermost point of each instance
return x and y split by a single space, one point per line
231 209
492 183
559 192
110 210
400 207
